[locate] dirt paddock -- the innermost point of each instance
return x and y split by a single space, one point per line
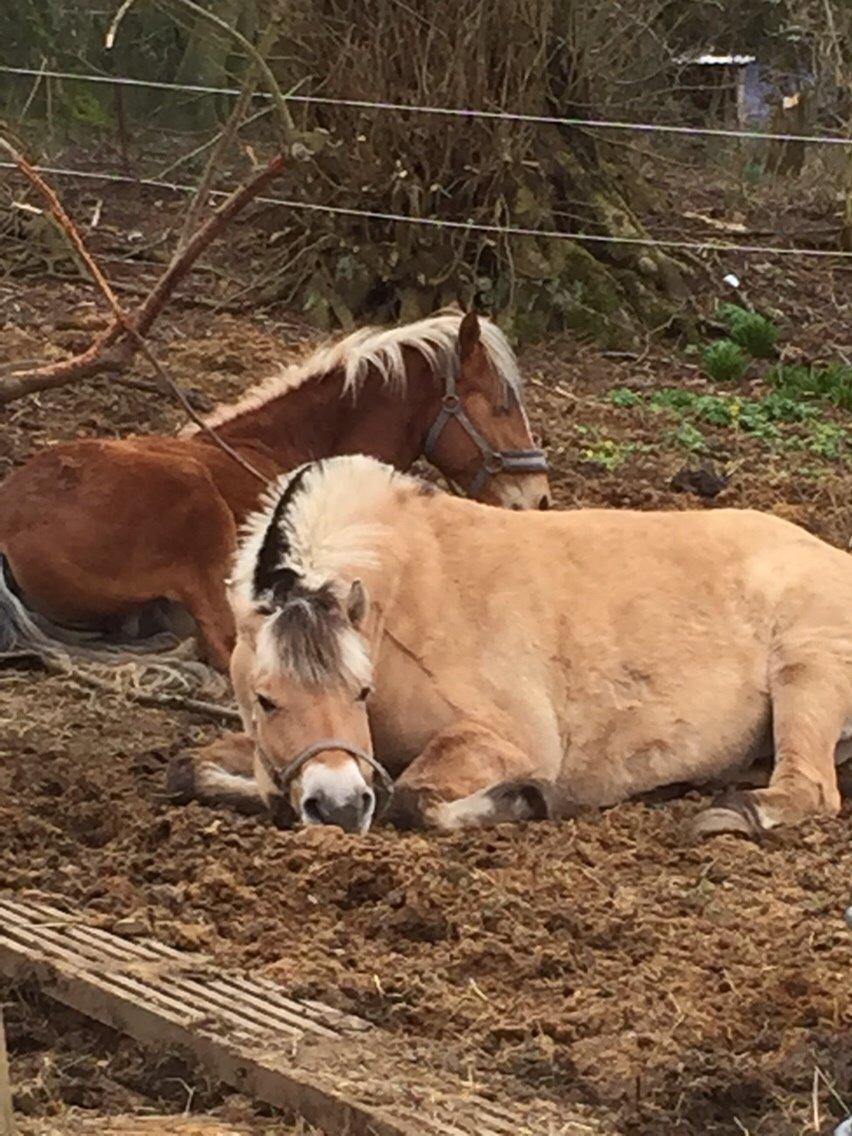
677 989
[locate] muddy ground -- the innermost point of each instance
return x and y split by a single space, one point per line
678 989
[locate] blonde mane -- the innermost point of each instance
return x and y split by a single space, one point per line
435 338
316 530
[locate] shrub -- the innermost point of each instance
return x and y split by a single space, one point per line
752 331
724 361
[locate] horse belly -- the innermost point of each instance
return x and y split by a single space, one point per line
622 750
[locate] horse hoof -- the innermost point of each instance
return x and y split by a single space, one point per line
524 799
180 780
405 810
720 819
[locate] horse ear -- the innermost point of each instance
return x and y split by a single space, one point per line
468 335
356 603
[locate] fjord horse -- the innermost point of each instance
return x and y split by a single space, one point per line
94 529
499 665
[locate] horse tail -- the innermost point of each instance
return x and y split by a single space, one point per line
158 662
19 631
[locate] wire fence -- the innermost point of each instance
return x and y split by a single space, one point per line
453 112
435 222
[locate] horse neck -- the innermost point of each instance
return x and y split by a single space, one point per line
318 419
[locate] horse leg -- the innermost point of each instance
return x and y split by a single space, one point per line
205 599
221 773
467 775
809 708
201 588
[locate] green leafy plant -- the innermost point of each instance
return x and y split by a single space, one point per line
688 435
752 331
827 439
724 361
623 396
832 383
778 419
608 453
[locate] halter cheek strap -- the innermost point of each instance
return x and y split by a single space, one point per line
493 461
283 776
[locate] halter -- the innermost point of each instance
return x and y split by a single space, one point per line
282 777
493 461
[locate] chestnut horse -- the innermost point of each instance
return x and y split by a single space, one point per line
504 664
92 530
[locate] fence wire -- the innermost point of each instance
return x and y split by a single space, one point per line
453 112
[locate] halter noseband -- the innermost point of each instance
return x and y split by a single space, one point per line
283 776
493 461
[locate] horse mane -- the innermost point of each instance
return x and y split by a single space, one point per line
315 530
379 349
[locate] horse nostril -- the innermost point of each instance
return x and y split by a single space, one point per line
312 810
516 508
366 800
544 503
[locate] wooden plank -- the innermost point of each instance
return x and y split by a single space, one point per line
168 1125
341 1074
7 1118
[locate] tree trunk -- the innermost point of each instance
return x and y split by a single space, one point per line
204 64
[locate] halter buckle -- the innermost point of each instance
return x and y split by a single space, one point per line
494 462
451 403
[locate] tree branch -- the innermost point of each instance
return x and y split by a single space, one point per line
96 359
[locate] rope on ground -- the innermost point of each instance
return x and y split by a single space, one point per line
148 682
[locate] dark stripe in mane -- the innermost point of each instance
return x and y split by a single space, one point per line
269 573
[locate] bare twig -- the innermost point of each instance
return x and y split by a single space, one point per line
112 32
222 145
135 329
197 150
289 134
154 698
96 359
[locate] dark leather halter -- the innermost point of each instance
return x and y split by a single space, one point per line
493 461
283 776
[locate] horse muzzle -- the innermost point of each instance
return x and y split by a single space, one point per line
333 796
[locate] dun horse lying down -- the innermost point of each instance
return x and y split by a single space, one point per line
501 664
94 530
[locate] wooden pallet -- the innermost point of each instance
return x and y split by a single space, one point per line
339 1073
80 1125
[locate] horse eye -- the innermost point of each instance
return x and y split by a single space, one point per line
266 704
365 694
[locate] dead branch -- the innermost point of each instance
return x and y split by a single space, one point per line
96 359
207 233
